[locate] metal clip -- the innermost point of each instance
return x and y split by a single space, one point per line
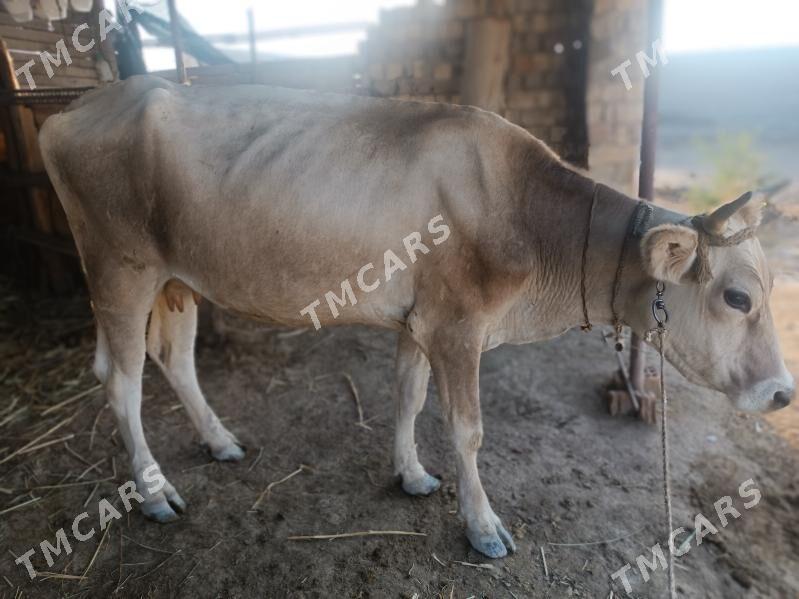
659 312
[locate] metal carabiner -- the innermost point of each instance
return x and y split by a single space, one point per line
659 311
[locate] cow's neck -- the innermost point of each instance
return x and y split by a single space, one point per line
614 255
611 259
556 204
555 292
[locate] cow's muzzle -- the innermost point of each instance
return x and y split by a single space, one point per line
783 398
768 395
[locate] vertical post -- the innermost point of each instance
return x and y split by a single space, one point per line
253 45
486 64
646 176
130 59
177 42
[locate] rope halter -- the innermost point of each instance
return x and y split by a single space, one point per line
710 228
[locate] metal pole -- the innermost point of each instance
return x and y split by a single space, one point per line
177 42
646 175
253 45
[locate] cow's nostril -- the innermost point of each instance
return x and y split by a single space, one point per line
783 398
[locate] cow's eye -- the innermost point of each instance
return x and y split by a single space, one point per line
738 299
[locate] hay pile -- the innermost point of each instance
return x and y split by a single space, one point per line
46 350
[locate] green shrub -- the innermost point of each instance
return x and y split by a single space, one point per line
736 167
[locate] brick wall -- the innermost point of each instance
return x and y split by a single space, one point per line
551 67
415 52
419 52
618 32
547 80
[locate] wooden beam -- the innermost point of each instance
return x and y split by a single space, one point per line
646 173
486 64
25 157
251 35
273 34
177 42
253 42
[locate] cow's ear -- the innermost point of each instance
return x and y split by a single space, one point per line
669 251
752 212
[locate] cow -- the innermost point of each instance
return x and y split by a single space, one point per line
262 199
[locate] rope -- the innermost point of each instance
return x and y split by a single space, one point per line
706 240
637 225
638 222
664 438
586 326
704 274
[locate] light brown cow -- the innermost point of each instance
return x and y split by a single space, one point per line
264 199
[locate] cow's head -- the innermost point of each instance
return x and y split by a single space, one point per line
721 332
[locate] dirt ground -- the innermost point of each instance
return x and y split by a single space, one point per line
566 478
780 241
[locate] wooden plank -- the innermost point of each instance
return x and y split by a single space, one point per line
27 159
327 74
21 33
177 42
41 112
6 19
69 23
486 64
15 35
24 55
21 46
105 49
15 44
57 81
73 70
83 61
78 74
40 74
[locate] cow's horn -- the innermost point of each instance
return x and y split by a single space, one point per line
716 222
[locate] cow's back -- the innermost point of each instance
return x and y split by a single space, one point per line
269 195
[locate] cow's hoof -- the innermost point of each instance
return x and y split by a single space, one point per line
489 546
165 505
421 486
175 500
493 545
233 452
159 511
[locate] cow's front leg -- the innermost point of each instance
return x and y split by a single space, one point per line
456 364
413 374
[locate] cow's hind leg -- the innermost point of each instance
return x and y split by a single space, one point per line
413 373
122 303
102 359
170 343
